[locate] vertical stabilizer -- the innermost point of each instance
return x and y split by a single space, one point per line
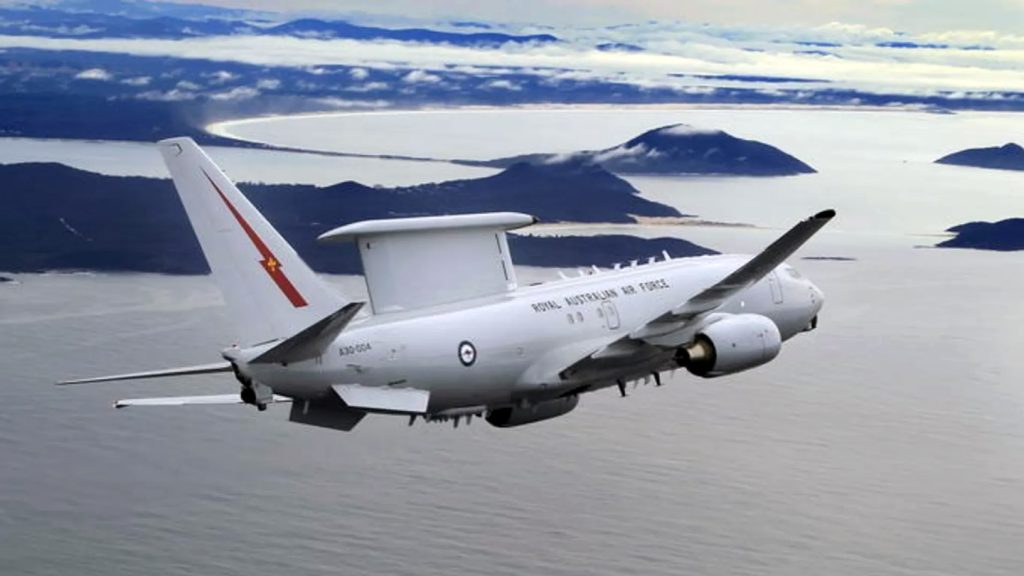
270 292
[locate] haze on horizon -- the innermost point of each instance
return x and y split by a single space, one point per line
915 16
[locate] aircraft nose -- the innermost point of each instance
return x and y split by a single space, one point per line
817 298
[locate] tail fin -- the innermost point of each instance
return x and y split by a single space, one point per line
270 292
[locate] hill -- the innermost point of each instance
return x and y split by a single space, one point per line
1006 157
60 218
680 149
1004 235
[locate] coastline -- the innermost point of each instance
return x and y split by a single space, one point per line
222 128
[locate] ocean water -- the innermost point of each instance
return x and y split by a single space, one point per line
886 442
874 166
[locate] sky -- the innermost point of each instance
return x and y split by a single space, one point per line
917 16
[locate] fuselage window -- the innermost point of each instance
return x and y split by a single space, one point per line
579 316
571 319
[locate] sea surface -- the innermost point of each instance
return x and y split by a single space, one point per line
889 441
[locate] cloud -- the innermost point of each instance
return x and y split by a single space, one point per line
421 77
137 81
236 93
359 73
220 76
674 53
502 85
342 103
187 85
94 74
268 84
369 87
174 95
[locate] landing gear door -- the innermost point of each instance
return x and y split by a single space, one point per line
611 315
776 287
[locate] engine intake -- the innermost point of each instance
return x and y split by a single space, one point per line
733 344
515 416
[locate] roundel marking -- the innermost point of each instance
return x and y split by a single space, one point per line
467 353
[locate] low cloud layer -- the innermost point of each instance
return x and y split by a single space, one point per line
657 55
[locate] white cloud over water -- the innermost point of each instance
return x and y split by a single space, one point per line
839 55
94 74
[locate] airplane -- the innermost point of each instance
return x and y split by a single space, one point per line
447 333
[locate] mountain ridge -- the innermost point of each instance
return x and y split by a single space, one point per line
63 218
677 149
1009 156
1003 235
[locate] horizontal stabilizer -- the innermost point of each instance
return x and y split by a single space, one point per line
213 399
182 371
312 341
380 399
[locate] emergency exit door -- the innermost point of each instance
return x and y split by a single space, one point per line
611 315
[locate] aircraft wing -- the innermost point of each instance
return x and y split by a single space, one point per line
685 315
212 399
382 399
744 277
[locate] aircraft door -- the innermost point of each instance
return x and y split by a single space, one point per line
776 287
611 315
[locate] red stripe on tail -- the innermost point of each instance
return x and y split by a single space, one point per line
269 262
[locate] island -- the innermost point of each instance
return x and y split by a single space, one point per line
677 149
1009 156
1004 235
62 218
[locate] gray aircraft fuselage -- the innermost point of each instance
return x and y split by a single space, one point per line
499 350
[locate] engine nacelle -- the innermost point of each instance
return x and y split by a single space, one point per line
733 344
509 417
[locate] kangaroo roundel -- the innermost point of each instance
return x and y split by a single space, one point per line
467 353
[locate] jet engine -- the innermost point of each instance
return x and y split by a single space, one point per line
732 344
516 416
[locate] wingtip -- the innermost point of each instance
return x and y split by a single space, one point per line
825 214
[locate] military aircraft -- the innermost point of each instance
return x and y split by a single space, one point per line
448 334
